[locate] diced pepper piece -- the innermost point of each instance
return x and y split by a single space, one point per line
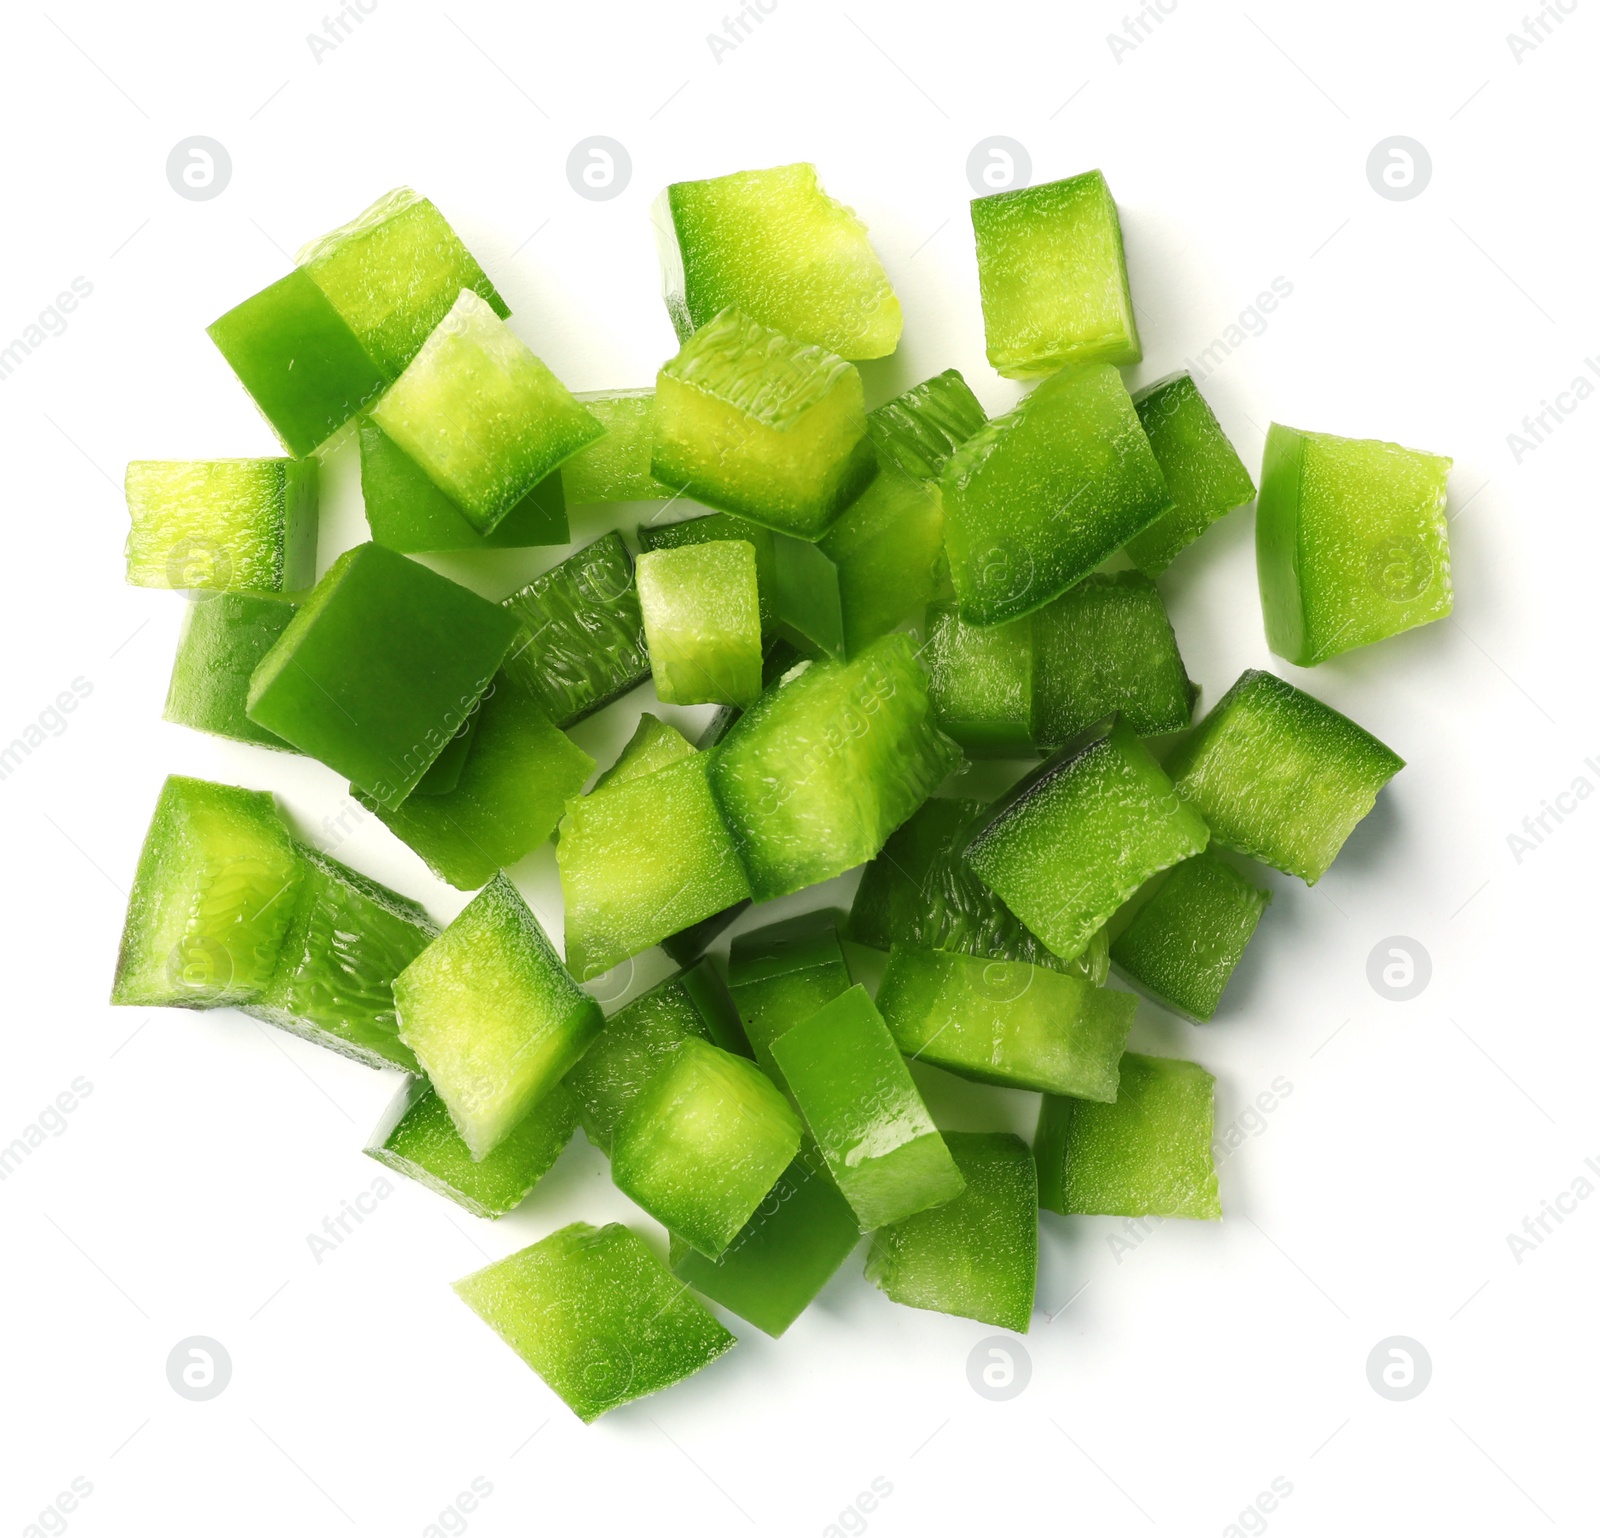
637 1040
922 427
1182 937
493 1016
653 746
921 893
691 943
1079 836
1053 277
1145 1154
978 1255
219 647
862 1107
981 682
407 512
582 636
514 784
1006 1022
596 1315
212 898
714 526
1280 776
1202 470
775 244
417 1139
642 860
1106 646
392 273
702 1143
444 773
807 596
616 468
349 939
483 418
782 975
827 765
379 669
756 424
1351 542
783 1257
702 622
222 525
304 367
1039 497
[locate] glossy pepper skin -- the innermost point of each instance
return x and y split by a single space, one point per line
783 974
219 647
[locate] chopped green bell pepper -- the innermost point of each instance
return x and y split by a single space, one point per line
219 646
708 527
702 622
1053 277
596 1315
702 1143
1280 776
1078 837
653 746
616 468
1146 1154
378 669
782 975
978 1255
862 1107
493 1016
222 525
981 682
1351 542
918 431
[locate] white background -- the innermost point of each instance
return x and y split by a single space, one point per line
1374 1201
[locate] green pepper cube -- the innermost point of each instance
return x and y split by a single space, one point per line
1106 646
1053 277
754 423
393 273
918 431
702 1143
921 894
808 596
1203 471
379 669
827 765
702 622
653 746
212 898
581 639
482 417
222 525
776 245
862 1107
1181 939
642 860
407 512
784 1256
417 1139
596 1315
981 682
1145 1154
1280 776
708 527
1006 1022
1351 542
514 784
637 1040
978 1255
616 468
1077 838
304 367
348 940
689 944
493 1016
1039 497
219 647
782 975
